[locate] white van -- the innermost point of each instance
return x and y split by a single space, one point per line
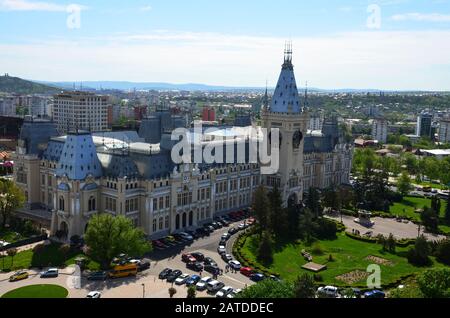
214 286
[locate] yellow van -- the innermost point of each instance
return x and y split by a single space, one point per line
126 270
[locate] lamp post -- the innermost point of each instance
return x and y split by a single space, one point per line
143 290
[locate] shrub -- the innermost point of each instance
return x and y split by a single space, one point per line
318 278
317 249
443 251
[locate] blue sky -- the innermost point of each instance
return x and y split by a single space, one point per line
231 42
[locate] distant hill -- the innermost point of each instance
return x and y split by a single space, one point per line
9 84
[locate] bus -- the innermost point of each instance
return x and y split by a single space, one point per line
126 270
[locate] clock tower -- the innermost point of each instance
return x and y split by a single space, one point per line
287 114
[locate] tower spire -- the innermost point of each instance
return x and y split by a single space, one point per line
288 55
306 104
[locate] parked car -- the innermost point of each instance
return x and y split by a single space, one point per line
226 236
198 256
94 294
209 261
195 266
374 294
221 249
143 266
186 236
20 275
202 232
216 225
223 242
165 273
227 257
98 276
241 226
159 245
50 273
194 234
201 285
274 278
257 277
246 271
328 291
234 293
168 242
233 230
173 276
213 269
214 286
235 265
193 280
181 280
188 258
224 292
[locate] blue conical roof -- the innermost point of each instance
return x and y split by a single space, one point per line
286 98
79 157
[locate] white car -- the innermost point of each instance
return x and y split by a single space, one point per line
234 293
328 291
135 261
235 265
221 249
181 279
241 226
224 292
201 285
94 294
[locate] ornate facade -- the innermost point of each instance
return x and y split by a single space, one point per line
123 173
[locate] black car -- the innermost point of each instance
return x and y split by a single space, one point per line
232 231
179 238
194 234
223 242
173 276
166 272
209 228
195 266
209 261
97 276
211 269
198 256
202 232
216 225
143 266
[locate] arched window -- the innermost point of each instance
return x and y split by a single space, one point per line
191 218
91 204
61 203
184 220
177 222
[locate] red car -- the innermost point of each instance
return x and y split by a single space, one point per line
188 258
246 271
158 244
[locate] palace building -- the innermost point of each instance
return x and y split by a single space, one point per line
81 173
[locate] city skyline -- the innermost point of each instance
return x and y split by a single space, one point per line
336 45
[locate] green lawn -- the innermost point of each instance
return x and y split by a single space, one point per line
49 256
9 236
38 291
348 255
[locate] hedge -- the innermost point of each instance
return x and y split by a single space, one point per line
399 243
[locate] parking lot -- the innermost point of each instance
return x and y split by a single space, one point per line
147 283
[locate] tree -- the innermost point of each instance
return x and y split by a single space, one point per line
443 251
304 287
419 254
172 292
11 198
430 219
306 225
265 248
435 283
268 289
108 236
404 185
278 215
191 292
447 210
313 202
261 208
11 253
436 205
391 243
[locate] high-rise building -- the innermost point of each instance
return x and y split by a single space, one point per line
81 110
209 114
424 125
444 130
380 129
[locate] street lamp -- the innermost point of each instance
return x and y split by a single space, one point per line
143 290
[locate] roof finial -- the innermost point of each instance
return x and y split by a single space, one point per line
288 54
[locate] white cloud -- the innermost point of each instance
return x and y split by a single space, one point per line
25 5
431 17
146 8
384 60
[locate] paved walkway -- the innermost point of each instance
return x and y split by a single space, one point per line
386 227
